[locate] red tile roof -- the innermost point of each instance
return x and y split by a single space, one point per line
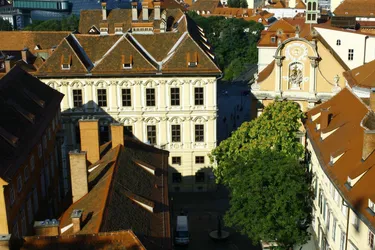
358 8
362 76
348 118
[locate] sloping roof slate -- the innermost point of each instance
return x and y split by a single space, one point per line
358 8
347 111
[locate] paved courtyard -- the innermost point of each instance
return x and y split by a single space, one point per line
234 108
202 210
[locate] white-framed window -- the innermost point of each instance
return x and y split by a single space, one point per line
334 225
40 150
344 208
199 133
355 221
328 221
26 172
19 183
342 240
102 97
77 98
371 239
32 162
351 54
338 42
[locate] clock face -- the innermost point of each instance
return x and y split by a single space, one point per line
296 51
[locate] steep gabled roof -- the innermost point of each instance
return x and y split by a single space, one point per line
357 8
28 107
348 115
64 53
121 191
362 76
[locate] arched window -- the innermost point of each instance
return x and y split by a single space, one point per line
338 42
314 6
295 75
309 6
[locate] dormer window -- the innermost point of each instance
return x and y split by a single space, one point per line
93 30
66 62
103 31
192 59
118 30
127 62
371 205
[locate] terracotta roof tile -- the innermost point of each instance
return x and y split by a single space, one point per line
205 5
266 72
359 8
348 112
362 76
300 5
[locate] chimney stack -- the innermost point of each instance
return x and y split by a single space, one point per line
134 11
145 10
104 11
324 118
7 65
24 54
156 10
78 173
5 241
47 228
89 130
117 131
76 217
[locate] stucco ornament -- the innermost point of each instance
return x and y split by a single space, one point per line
295 75
256 85
336 88
296 52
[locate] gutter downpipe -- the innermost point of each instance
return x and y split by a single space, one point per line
364 56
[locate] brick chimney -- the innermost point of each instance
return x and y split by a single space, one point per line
7 65
117 132
76 217
24 53
89 130
156 10
134 11
145 10
78 173
104 11
5 241
47 228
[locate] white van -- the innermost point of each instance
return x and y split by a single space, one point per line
181 236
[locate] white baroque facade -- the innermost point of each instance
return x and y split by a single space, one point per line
186 153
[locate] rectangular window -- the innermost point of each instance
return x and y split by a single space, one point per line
342 240
128 129
26 172
199 159
176 177
320 201
126 97
150 97
199 177
351 54
176 160
102 97
198 96
151 134
199 133
176 133
175 96
334 224
77 98
371 239
328 219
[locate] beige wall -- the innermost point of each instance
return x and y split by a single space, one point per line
163 116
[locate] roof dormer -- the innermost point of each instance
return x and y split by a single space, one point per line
192 59
104 29
127 62
119 29
66 62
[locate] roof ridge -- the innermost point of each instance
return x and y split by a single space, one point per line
108 51
172 50
83 51
79 59
156 64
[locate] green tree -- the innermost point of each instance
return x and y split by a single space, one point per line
5 25
270 197
234 41
66 24
275 128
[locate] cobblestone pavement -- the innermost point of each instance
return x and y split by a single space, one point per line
234 108
203 209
